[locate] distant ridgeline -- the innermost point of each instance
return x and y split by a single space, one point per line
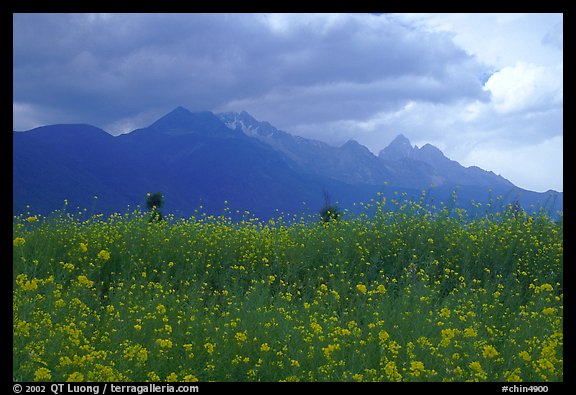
231 162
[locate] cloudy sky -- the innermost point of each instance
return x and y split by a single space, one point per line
487 89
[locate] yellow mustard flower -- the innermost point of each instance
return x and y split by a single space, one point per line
240 337
75 377
357 377
209 347
525 356
84 281
416 368
164 343
172 377
489 352
142 355
29 285
470 332
19 241
104 255
42 374
383 336
549 310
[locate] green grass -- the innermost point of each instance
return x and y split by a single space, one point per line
400 295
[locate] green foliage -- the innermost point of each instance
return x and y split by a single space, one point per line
329 214
154 203
400 294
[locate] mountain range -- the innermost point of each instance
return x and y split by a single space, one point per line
209 162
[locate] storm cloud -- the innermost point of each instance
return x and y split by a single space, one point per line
326 76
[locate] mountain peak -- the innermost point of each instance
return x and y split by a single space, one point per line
178 116
180 109
398 149
355 146
179 113
351 143
248 124
400 139
183 121
431 151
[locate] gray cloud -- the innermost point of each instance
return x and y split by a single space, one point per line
104 68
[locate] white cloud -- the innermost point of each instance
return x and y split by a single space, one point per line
536 167
284 24
526 87
500 40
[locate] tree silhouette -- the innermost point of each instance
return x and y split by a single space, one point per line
154 202
330 212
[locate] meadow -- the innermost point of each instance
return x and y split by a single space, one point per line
399 293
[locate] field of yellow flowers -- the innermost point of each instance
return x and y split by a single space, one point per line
399 294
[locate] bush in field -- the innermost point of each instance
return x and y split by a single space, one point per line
154 203
330 212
